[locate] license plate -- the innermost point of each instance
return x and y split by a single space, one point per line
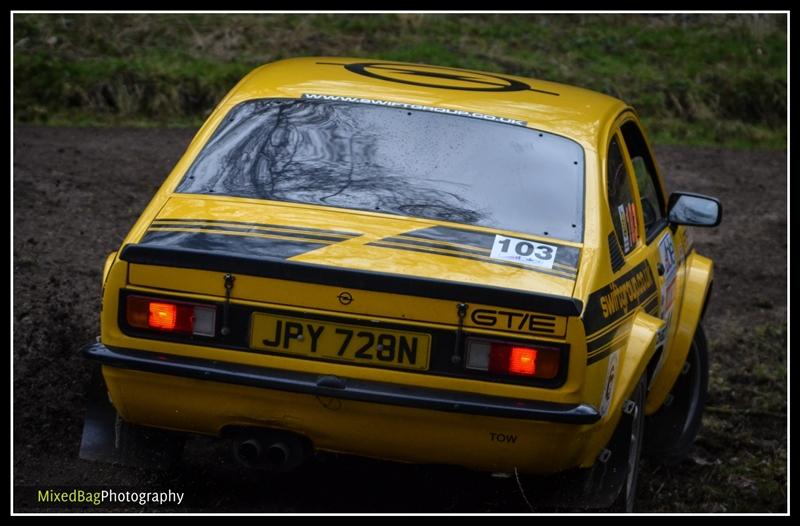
336 341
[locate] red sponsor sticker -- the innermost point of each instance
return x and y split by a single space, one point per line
632 224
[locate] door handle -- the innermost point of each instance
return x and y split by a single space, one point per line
660 268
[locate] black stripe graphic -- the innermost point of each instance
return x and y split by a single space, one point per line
246 223
592 358
609 327
652 307
554 272
565 255
464 249
593 346
429 244
603 340
454 235
229 244
617 259
246 230
597 357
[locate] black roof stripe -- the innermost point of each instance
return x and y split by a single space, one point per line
266 225
229 244
557 273
566 256
247 231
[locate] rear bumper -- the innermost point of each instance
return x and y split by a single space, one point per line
366 418
341 388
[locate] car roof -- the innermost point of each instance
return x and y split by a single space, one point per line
573 112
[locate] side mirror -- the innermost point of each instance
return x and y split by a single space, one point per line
694 210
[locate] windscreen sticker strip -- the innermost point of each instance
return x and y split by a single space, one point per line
410 106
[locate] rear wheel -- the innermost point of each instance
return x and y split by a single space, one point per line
672 429
635 408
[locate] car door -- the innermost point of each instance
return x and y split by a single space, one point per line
661 249
611 307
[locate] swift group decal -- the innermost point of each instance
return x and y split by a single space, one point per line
621 297
409 106
609 307
436 77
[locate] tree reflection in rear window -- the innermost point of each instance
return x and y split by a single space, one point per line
396 161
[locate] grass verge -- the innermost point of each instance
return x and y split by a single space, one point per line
695 79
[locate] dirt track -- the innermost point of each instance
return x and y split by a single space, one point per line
78 191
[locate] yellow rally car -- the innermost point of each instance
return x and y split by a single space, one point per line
414 263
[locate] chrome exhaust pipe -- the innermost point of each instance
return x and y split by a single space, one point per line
278 456
270 450
249 453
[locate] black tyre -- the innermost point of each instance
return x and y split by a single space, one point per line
627 495
671 431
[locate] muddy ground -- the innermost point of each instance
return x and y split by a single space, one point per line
78 191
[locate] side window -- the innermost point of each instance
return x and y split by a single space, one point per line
620 199
652 201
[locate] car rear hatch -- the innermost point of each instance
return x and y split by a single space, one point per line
350 287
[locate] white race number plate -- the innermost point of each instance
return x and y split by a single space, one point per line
523 251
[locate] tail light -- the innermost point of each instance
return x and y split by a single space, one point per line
171 316
507 358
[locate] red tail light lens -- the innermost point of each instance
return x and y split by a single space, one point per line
170 316
523 361
163 316
512 359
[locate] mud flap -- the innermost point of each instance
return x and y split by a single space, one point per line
107 438
99 434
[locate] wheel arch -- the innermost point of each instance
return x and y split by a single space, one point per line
699 277
634 361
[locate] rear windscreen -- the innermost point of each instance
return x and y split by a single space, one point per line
397 161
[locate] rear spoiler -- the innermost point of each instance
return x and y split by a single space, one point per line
358 279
